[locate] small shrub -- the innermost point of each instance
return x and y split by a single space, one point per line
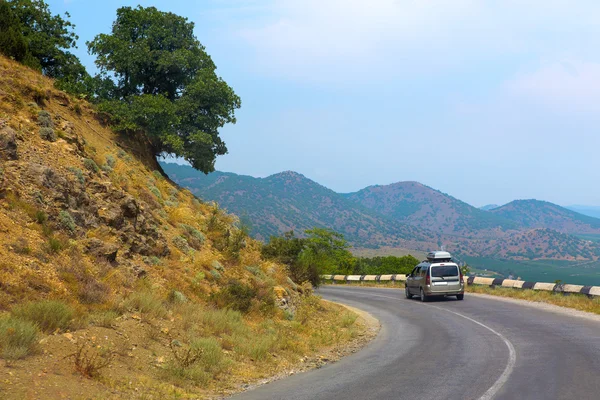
217 265
194 237
55 245
198 278
202 360
45 119
77 109
78 174
154 190
152 260
121 153
111 161
41 217
48 315
93 292
146 303
236 296
48 134
182 244
18 338
66 221
348 319
89 361
91 165
215 274
176 297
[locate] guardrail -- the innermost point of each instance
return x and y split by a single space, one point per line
476 280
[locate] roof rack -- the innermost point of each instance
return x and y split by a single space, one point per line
439 256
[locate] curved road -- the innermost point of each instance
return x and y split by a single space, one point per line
479 348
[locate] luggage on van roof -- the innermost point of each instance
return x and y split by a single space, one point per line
439 256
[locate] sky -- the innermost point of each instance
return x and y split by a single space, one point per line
488 101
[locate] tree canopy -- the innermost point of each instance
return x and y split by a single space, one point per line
157 65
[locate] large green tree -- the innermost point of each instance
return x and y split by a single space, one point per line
156 63
30 34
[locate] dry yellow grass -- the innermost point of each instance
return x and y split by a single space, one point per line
45 254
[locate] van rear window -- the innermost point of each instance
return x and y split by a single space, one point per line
443 271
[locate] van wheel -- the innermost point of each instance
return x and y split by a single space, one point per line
407 293
460 296
423 297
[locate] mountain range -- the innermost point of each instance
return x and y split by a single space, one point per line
406 215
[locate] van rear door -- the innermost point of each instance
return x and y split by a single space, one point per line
445 278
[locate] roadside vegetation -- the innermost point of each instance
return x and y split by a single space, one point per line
325 252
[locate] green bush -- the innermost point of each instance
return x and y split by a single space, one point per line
182 244
176 297
91 165
236 296
41 217
18 338
45 119
194 237
55 245
154 190
215 274
111 161
67 221
48 134
217 265
78 174
48 315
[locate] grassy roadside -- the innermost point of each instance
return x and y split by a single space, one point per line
148 347
574 300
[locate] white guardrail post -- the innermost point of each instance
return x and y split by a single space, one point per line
476 280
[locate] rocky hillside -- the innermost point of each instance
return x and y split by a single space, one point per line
419 205
290 201
542 214
117 283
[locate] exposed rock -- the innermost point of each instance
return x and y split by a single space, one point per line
103 250
112 216
8 144
130 207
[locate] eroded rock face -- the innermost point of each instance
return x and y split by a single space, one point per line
103 250
8 144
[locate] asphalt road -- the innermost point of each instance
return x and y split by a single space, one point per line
479 348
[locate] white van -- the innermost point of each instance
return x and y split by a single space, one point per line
436 276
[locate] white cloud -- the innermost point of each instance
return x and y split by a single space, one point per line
341 39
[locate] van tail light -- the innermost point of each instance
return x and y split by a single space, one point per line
461 275
427 280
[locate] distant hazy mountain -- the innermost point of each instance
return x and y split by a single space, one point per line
405 215
542 214
590 211
488 207
290 201
420 205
